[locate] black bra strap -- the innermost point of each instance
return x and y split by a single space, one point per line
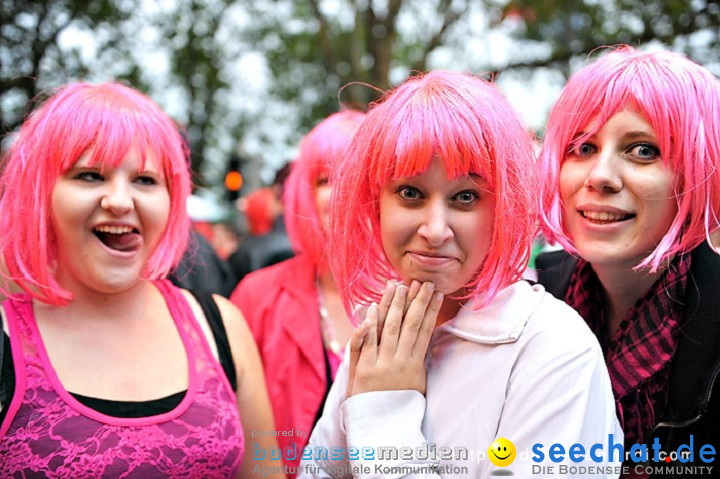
2 342
214 319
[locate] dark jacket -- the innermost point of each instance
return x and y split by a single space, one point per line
280 305
257 252
694 396
201 269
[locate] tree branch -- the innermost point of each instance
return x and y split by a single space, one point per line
323 33
448 20
561 57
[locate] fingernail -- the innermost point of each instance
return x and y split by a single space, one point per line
372 309
438 296
402 289
430 287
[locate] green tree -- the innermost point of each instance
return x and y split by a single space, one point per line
572 28
198 61
31 58
314 48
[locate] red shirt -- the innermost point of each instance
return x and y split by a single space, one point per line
280 305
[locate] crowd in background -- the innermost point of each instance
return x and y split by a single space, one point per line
378 289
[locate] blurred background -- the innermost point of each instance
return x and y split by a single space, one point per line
247 79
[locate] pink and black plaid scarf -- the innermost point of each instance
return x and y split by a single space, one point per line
640 353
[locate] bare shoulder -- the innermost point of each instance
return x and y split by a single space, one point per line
4 326
232 316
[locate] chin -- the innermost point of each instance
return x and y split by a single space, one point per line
442 285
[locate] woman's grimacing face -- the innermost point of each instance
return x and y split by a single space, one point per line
108 222
436 229
617 193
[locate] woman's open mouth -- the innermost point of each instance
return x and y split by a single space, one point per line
605 217
124 239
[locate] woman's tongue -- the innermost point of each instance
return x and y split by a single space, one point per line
124 242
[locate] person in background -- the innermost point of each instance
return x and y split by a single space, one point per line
225 239
632 152
111 370
201 269
294 308
268 241
433 214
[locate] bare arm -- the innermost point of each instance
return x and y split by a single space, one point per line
253 401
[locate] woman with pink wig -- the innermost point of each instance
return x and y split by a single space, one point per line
433 216
632 153
293 308
108 370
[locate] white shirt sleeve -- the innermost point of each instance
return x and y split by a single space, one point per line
566 400
371 430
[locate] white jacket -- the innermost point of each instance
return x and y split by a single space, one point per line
526 368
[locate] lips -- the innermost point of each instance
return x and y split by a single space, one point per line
120 238
430 258
604 216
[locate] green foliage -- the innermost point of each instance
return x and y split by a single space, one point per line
578 27
312 49
197 63
30 56
313 54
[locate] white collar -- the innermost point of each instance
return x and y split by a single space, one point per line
502 321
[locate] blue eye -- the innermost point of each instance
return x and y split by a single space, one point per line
644 151
583 149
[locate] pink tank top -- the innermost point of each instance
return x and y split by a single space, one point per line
48 433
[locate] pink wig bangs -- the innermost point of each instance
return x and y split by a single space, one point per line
681 101
111 119
325 146
466 122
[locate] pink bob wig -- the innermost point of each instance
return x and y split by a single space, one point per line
465 121
680 100
321 149
109 118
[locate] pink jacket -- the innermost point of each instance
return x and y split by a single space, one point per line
281 307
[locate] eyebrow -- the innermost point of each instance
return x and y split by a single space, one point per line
631 135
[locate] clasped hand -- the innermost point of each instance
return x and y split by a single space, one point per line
387 351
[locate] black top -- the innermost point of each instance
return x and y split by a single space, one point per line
694 394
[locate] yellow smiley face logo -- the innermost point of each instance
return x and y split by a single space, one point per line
502 452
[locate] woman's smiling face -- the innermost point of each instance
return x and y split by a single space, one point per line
437 229
618 195
108 222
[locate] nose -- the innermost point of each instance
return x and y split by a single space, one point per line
435 227
605 175
118 197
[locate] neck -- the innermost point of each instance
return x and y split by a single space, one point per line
623 287
327 282
448 310
129 304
